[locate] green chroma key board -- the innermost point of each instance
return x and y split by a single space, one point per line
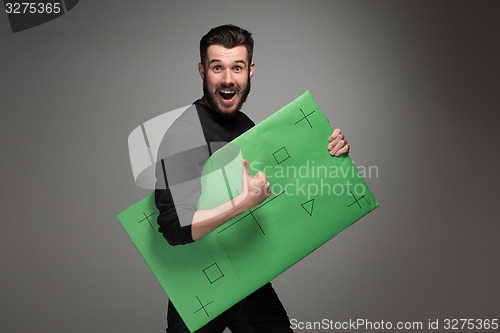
314 197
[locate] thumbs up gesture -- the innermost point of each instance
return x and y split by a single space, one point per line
256 189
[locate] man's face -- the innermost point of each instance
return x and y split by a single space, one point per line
226 78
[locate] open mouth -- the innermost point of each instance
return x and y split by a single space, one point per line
227 95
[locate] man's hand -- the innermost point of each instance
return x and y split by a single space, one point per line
255 189
338 144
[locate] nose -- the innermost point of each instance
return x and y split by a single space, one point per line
228 79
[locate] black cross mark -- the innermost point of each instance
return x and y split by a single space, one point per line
203 306
305 117
355 200
250 213
257 223
147 218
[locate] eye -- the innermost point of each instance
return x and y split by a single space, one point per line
217 68
237 68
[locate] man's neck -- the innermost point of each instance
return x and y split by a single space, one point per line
203 101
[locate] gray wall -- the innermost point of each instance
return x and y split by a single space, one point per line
412 84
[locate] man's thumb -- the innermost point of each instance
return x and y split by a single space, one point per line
246 171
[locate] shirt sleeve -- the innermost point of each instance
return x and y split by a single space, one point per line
168 220
181 156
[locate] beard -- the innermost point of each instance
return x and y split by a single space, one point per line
212 103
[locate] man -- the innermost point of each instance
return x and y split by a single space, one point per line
226 69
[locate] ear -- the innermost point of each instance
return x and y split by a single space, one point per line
201 70
252 69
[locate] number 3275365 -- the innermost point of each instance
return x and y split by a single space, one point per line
32 8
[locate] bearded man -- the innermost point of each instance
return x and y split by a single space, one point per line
226 69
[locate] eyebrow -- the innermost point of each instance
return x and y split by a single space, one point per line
218 60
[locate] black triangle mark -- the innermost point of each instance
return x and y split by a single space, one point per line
309 211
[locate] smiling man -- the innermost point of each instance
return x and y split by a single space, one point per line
226 74
226 69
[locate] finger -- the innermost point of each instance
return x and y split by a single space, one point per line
335 142
246 168
260 175
337 147
344 150
245 176
335 133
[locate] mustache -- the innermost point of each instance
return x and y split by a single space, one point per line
228 86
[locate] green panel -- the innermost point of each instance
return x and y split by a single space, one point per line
315 196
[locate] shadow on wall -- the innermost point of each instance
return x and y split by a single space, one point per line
26 15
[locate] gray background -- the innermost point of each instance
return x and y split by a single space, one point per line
412 84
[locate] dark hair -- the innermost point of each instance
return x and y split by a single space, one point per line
228 36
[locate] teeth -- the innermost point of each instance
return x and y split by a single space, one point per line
227 91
